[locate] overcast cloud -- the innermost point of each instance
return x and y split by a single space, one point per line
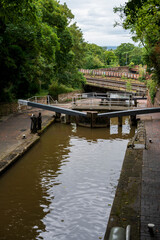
96 19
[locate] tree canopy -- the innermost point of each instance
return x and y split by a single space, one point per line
98 57
142 18
124 54
38 46
41 46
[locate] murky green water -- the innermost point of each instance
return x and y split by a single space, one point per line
63 188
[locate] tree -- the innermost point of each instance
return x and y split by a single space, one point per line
137 55
37 47
17 37
123 52
110 58
142 18
98 57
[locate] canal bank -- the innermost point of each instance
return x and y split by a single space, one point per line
136 201
15 136
126 208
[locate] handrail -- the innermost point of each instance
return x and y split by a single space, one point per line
52 108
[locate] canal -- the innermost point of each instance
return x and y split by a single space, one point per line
63 188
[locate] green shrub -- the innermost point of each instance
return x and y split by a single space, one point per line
129 85
131 64
55 89
152 86
142 79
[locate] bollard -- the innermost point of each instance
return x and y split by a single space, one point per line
151 227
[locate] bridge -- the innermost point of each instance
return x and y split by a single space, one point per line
92 118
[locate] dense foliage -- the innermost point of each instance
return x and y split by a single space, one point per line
41 47
125 54
97 57
142 18
38 46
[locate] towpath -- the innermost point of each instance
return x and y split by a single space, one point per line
150 194
13 127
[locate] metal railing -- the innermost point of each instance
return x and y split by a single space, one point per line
108 99
43 99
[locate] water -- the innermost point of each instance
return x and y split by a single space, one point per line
63 188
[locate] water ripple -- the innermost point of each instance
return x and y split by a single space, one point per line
82 202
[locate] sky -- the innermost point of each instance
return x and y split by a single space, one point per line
96 19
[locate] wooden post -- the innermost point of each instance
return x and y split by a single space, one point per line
93 119
108 122
135 102
92 116
119 121
68 119
133 120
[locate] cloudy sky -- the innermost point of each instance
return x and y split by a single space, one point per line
96 19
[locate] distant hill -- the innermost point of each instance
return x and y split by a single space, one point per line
109 47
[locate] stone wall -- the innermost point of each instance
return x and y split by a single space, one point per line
156 99
8 108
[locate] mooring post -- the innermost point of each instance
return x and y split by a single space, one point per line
133 120
120 121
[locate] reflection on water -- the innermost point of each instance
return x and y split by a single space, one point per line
63 188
